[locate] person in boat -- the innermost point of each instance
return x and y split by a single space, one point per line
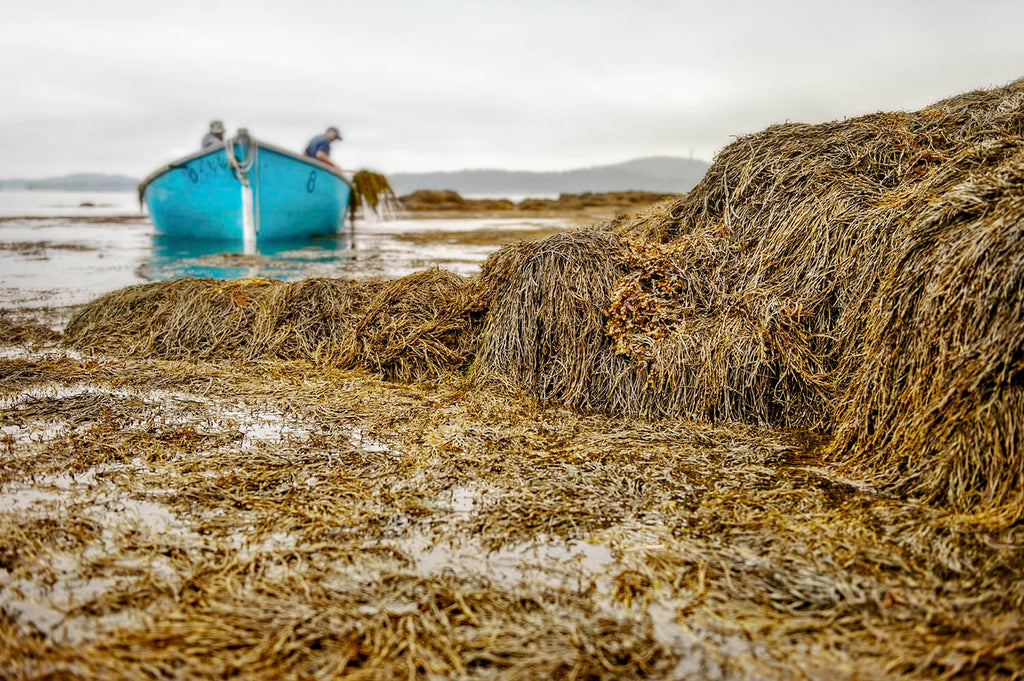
215 136
320 146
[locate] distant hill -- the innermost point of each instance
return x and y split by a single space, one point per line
92 182
670 174
666 174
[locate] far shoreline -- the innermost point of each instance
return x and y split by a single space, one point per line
586 206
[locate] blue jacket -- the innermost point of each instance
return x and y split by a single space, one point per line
318 143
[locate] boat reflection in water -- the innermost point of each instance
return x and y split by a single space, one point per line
287 259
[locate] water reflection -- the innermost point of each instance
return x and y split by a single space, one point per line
290 259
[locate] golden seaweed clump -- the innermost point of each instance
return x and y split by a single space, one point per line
372 191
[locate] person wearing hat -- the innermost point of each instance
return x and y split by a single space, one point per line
320 146
215 136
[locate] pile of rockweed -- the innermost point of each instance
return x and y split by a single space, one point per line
864 278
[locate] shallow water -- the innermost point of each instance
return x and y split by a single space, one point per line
18 202
55 251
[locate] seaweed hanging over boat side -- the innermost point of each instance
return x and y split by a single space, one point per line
372 192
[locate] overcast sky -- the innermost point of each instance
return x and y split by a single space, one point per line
123 87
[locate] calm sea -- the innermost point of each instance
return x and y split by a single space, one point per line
66 248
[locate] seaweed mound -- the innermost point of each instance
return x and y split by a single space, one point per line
417 327
863 278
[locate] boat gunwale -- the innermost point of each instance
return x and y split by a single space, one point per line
178 162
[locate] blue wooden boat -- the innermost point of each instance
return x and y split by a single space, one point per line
246 190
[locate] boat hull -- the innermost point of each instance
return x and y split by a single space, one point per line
280 195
